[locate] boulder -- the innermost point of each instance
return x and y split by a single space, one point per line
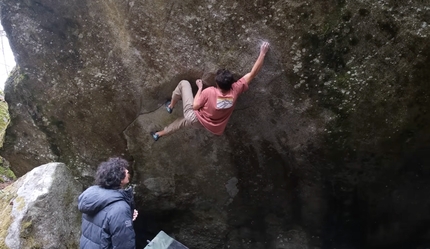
331 139
39 209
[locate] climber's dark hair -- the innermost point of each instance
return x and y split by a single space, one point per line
110 173
224 79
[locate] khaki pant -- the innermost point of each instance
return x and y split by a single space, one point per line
183 91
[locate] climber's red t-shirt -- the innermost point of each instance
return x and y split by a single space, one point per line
217 106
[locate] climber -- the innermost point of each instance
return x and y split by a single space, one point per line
213 106
108 208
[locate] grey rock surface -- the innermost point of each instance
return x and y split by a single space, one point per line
39 209
331 139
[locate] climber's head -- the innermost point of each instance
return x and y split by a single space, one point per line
224 79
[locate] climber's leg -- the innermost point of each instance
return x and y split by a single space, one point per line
182 91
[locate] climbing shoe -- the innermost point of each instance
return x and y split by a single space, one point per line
154 135
169 110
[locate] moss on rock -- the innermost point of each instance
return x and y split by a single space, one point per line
6 174
4 120
6 196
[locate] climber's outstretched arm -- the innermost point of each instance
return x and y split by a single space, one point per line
258 64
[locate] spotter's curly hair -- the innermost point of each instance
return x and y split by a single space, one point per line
110 173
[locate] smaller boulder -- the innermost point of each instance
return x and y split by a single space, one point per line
39 210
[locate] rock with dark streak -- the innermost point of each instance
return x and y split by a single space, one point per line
329 147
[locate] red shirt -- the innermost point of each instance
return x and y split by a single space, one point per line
217 107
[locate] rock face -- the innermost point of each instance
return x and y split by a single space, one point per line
327 149
39 210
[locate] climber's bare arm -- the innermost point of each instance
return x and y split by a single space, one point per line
258 63
199 84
